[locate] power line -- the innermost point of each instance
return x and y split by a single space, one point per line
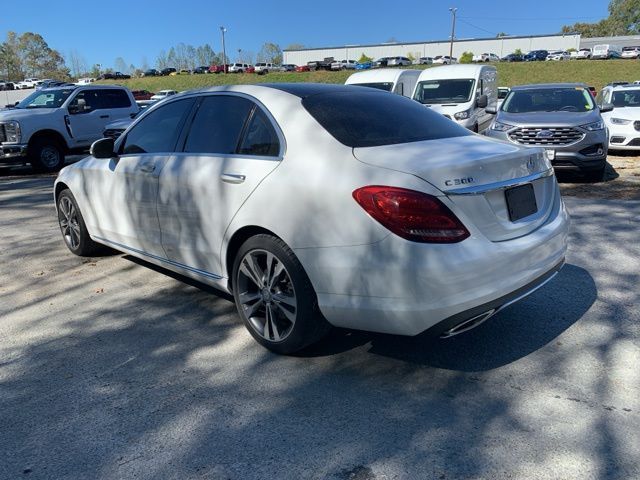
531 19
475 26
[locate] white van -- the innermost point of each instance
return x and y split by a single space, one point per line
393 80
460 92
605 51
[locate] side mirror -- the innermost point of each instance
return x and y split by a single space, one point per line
16 104
103 148
75 109
492 110
482 101
606 107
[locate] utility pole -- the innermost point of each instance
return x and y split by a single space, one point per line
453 11
224 50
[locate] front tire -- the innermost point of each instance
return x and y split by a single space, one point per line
74 231
46 155
274 296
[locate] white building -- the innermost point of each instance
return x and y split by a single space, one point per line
500 46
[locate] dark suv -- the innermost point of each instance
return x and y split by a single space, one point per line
536 56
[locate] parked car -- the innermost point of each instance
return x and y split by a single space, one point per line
485 57
167 71
364 65
239 68
4 85
558 55
344 65
117 127
54 122
425 60
398 62
184 71
560 117
121 76
606 51
292 274
303 68
48 83
288 67
512 57
381 62
536 56
630 52
141 95
444 60
85 81
623 121
460 92
152 72
321 64
27 83
584 54
219 68
262 68
201 70
162 94
393 80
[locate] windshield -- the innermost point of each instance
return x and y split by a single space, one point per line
444 91
46 99
626 98
564 99
387 86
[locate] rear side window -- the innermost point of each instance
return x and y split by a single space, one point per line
370 119
218 124
159 130
113 98
260 138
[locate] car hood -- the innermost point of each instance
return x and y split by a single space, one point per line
629 113
20 113
543 119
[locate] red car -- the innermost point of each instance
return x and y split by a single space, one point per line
250 69
219 68
303 68
142 94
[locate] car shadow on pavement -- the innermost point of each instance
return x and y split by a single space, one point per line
610 174
510 335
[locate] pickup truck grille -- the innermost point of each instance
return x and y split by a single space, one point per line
546 136
3 134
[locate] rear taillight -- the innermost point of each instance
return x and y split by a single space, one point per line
412 215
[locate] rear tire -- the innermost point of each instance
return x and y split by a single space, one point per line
74 231
46 155
274 296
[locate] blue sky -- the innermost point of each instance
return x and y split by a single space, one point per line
101 31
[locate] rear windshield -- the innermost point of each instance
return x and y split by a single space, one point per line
370 119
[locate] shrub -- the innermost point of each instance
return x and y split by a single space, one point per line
466 57
365 59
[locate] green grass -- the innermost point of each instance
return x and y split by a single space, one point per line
592 72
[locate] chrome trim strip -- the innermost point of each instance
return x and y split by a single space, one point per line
482 189
527 293
160 259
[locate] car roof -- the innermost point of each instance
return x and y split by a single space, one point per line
538 86
381 75
454 71
623 87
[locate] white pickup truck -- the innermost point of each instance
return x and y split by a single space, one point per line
53 122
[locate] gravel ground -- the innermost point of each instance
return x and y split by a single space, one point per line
109 370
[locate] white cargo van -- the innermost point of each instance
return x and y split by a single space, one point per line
605 51
393 80
460 92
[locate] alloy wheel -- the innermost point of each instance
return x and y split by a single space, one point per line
267 295
69 223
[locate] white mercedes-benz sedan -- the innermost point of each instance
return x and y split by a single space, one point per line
319 205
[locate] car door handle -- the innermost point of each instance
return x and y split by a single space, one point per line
232 178
147 167
104 116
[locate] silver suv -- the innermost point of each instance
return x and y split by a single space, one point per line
562 118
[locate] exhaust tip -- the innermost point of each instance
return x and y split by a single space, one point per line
468 324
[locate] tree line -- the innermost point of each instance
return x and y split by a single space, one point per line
29 55
623 19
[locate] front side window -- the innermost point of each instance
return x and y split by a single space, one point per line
159 130
573 99
457 90
218 124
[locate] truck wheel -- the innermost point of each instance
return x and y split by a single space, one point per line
46 155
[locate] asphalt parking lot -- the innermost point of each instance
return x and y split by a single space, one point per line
109 369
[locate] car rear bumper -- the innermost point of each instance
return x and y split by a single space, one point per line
401 287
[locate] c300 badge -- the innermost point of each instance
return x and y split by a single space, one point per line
459 181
